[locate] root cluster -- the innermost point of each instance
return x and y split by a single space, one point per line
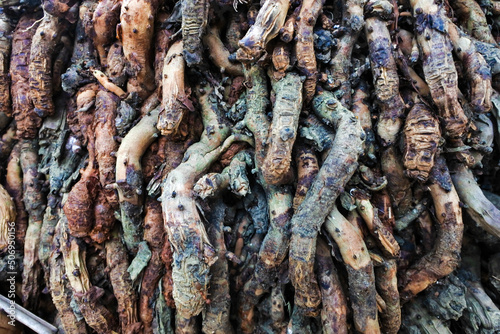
245 167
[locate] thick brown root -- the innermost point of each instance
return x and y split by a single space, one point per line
445 255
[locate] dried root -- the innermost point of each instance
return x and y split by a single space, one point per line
5 47
28 121
236 233
475 67
154 235
379 231
304 46
398 184
105 144
340 69
445 255
194 22
267 25
34 202
86 296
106 17
117 263
106 83
334 311
361 109
219 54
338 167
439 68
116 67
175 102
60 291
482 211
66 9
43 46
193 253
129 178
81 199
283 131
8 218
385 76
233 177
387 287
274 246
473 19
361 277
307 169
14 185
216 315
135 31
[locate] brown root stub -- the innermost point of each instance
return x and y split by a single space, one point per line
382 233
283 131
60 62
154 234
81 199
281 60
104 218
398 185
64 9
307 169
445 255
116 66
337 169
421 137
268 23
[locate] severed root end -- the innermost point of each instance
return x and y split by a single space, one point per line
209 184
422 135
